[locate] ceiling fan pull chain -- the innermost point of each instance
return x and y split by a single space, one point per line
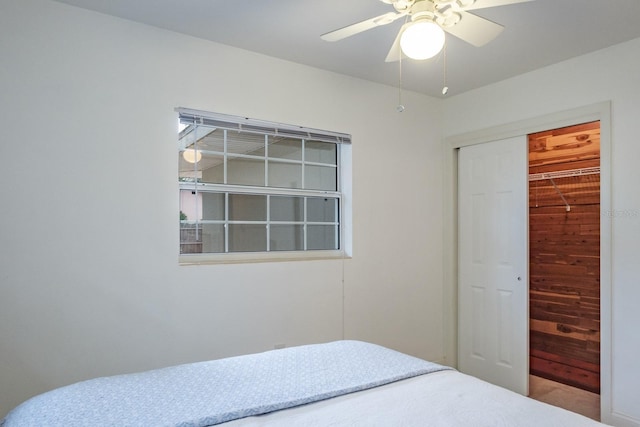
400 107
445 88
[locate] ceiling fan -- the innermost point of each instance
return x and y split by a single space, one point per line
422 36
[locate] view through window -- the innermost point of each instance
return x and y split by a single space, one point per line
255 186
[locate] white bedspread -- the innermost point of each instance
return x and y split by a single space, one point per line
440 399
383 388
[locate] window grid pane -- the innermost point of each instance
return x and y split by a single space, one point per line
233 222
243 158
247 238
321 152
223 221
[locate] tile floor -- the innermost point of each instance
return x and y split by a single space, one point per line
564 396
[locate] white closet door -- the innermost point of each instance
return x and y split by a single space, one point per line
493 332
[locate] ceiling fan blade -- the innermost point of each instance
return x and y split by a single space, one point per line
483 4
475 30
396 52
359 27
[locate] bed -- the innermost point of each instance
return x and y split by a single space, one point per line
341 383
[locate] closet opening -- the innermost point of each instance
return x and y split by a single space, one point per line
564 256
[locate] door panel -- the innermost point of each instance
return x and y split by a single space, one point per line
493 260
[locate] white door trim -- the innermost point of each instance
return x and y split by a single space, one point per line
600 111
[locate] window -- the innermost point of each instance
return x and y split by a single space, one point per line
249 186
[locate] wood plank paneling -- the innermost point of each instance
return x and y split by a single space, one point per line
551 366
565 258
565 145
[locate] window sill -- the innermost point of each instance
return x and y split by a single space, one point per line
255 257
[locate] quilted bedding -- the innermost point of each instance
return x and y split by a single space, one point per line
214 392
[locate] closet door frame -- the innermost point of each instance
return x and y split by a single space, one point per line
596 112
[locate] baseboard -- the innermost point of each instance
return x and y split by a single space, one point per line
620 420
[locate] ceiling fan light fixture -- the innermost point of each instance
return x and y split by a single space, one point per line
422 40
191 155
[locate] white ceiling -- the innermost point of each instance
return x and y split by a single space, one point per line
537 33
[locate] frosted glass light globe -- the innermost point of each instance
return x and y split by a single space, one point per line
191 155
422 40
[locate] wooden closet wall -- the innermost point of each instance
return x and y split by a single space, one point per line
565 255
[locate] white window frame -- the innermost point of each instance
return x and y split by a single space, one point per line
342 194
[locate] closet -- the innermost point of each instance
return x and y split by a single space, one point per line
564 255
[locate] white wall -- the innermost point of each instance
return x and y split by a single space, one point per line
89 278
607 75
